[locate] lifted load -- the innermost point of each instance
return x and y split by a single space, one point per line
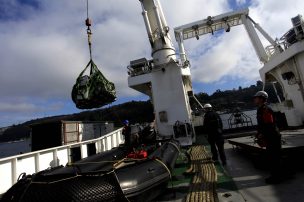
94 90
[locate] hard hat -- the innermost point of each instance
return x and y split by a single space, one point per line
207 106
125 122
262 94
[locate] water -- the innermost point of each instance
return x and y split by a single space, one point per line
14 148
23 146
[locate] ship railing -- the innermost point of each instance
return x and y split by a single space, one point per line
139 70
12 167
272 50
139 67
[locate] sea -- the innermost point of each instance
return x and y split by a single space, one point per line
14 148
23 146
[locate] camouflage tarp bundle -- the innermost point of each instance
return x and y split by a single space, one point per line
93 91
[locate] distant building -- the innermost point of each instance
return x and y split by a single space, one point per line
57 133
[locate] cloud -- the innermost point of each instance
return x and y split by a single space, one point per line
44 44
21 107
226 57
27 106
232 54
240 2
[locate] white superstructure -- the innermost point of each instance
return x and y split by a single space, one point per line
166 80
283 59
163 79
287 68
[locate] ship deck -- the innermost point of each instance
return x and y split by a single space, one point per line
243 177
292 141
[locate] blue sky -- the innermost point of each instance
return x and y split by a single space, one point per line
44 48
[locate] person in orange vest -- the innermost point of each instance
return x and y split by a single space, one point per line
268 136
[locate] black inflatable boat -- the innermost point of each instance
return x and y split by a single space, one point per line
96 179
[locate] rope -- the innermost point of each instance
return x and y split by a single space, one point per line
61 180
92 162
203 186
177 148
88 23
68 178
162 163
114 162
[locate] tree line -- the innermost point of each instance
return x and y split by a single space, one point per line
142 111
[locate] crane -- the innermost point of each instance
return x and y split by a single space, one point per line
166 78
282 60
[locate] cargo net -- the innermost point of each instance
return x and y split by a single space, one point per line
76 188
93 90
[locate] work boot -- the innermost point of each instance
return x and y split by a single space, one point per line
215 158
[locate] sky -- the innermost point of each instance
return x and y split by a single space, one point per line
43 48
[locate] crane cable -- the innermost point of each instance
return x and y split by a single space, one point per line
88 23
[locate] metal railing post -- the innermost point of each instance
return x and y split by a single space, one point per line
112 141
69 154
117 138
105 147
37 162
55 158
14 170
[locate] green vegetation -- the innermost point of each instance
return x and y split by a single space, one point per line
241 97
142 111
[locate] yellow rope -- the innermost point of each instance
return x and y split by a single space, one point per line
162 163
97 162
61 180
174 146
203 187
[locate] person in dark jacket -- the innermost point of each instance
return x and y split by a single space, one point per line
213 126
126 132
268 136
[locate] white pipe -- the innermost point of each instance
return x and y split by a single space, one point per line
146 20
147 23
263 32
158 20
266 35
161 14
181 48
255 40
